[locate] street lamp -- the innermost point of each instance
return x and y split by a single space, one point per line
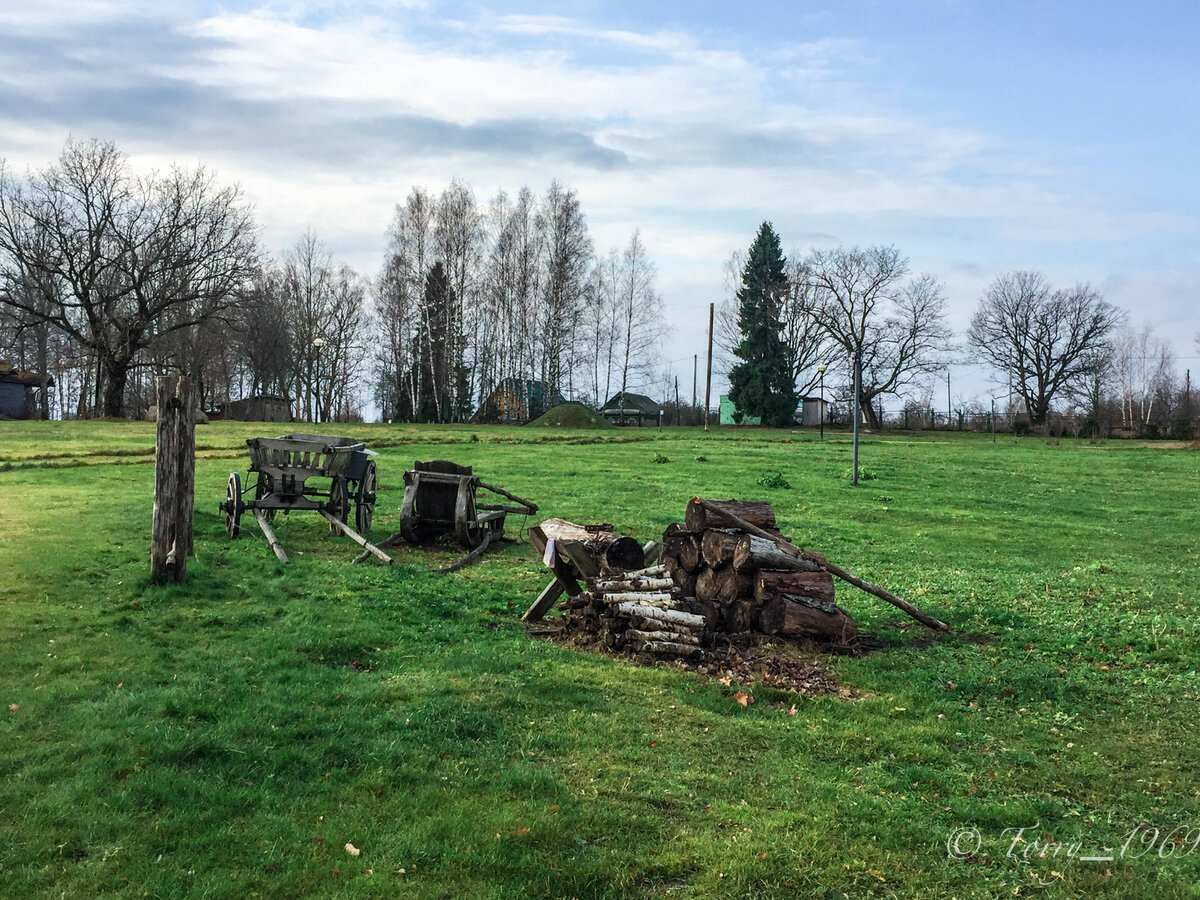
821 408
318 342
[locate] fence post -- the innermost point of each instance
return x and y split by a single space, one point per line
174 479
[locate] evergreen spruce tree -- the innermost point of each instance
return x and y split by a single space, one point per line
761 384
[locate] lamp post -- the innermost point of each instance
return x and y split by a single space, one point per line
318 342
821 408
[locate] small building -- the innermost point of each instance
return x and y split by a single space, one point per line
515 401
625 408
259 408
813 411
21 393
728 413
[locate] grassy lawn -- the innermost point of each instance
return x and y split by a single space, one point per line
230 736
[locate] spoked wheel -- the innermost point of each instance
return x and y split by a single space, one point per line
339 502
263 489
233 505
364 503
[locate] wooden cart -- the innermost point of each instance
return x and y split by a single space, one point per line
440 497
287 469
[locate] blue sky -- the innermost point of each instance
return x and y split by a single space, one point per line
976 137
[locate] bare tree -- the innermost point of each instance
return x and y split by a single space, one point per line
638 318
1048 342
1144 369
567 260
864 304
133 258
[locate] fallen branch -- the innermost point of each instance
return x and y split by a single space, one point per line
791 550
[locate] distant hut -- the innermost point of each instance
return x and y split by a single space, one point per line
625 408
21 393
260 408
515 401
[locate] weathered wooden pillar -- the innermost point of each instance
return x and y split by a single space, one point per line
174 478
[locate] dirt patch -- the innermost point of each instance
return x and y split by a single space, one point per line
781 663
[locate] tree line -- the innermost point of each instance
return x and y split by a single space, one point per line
853 307
108 277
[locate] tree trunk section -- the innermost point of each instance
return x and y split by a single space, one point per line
699 518
805 617
717 547
753 553
174 479
816 585
607 548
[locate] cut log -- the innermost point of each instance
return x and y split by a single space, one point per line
635 584
741 615
700 517
636 637
717 546
815 585
734 585
706 585
684 546
753 553
651 551
685 582
805 617
667 648
925 619
639 597
658 571
641 623
665 615
602 544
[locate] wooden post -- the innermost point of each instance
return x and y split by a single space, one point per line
174 479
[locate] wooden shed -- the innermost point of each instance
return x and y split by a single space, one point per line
625 408
20 393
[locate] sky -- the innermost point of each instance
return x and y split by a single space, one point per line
977 137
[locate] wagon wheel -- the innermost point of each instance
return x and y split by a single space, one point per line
233 505
466 518
264 488
364 500
339 502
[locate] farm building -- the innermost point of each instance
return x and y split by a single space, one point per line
632 409
515 401
260 408
20 393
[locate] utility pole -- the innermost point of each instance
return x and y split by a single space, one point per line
708 375
695 363
676 399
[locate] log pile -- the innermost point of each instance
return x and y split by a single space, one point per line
744 581
713 577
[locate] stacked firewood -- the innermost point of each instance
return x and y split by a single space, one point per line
745 582
712 577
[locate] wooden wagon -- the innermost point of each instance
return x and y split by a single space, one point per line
287 470
441 497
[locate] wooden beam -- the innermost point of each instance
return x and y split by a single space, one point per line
356 537
269 534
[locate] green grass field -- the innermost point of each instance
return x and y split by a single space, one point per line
230 736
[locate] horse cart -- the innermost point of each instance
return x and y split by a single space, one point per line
288 470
